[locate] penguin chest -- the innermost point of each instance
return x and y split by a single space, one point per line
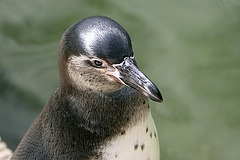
139 142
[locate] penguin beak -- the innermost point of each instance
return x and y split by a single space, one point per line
130 75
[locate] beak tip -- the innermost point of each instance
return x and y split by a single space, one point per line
159 96
159 99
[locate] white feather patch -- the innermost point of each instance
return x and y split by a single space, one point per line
139 142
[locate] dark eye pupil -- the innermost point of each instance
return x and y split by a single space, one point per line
98 63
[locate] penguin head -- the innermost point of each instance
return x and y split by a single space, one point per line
96 53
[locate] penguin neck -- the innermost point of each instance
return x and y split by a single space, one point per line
81 122
105 113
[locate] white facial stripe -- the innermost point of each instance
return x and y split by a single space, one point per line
74 63
77 59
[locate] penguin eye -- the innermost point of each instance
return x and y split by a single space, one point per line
97 63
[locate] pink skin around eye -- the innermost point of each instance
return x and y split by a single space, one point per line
116 75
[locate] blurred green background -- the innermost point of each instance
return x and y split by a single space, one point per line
190 49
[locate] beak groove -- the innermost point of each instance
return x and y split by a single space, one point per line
130 75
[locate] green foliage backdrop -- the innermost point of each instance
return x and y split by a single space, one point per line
189 48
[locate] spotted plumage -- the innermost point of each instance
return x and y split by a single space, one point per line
135 144
100 110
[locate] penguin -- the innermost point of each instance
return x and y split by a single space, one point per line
100 111
5 152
